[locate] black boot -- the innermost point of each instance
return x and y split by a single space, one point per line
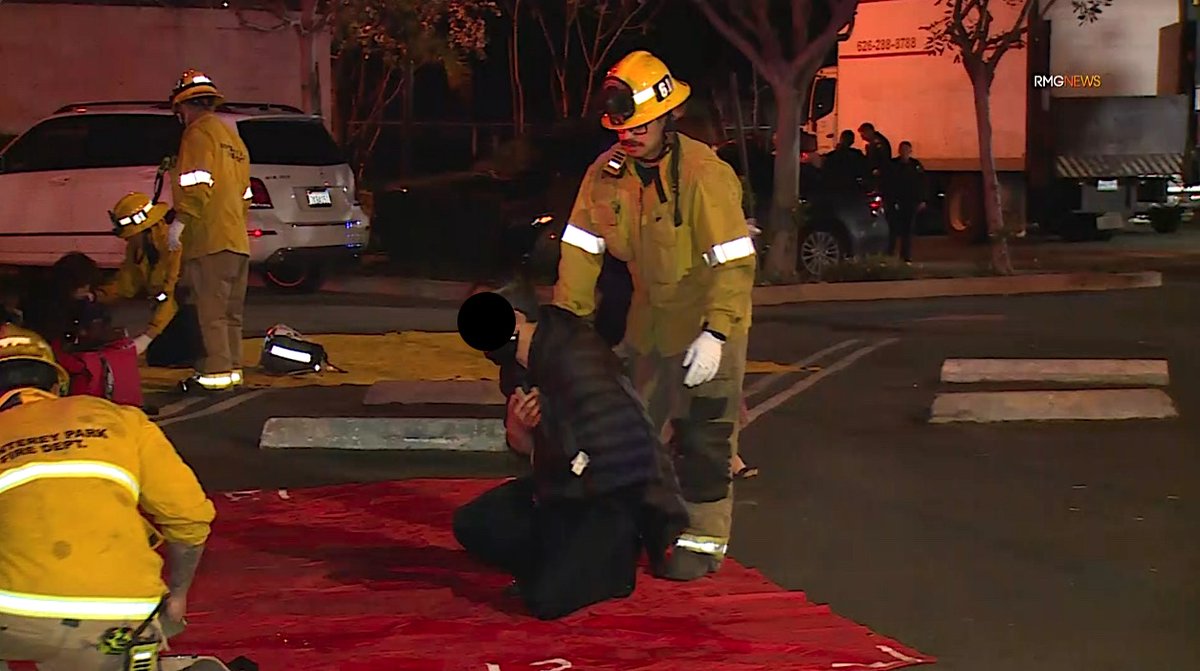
685 565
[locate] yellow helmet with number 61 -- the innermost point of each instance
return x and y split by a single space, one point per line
638 90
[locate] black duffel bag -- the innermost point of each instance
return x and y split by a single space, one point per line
287 352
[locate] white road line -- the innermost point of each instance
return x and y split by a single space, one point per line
761 384
780 398
216 407
178 406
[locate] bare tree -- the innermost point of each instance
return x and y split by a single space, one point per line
382 43
979 41
759 29
595 28
513 9
557 29
601 26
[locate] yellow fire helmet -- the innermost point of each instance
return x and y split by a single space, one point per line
18 345
638 90
134 213
194 84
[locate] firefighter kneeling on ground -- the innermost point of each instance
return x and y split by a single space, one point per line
668 205
150 268
78 575
211 194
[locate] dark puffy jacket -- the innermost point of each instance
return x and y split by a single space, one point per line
591 408
588 405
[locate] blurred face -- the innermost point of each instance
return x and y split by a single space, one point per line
866 134
645 141
906 151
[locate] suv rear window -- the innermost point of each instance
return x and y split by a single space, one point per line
94 141
289 142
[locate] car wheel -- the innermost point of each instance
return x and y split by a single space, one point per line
1166 219
820 250
299 278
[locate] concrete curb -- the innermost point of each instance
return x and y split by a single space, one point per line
1041 406
805 293
384 433
1152 372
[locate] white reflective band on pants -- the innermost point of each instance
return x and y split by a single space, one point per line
702 544
69 469
195 177
236 376
76 608
248 194
215 380
577 237
729 251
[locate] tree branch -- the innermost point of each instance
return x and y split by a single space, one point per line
738 10
772 49
742 44
801 17
1010 38
841 13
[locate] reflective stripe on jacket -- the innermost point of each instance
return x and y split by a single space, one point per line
73 472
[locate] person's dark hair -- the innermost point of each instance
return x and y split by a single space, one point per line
867 126
904 144
847 137
74 271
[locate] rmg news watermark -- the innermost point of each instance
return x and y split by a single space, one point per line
1078 81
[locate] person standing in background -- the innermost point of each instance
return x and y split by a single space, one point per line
211 194
909 187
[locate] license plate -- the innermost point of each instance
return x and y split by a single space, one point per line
319 198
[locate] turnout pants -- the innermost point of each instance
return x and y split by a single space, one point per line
565 554
218 290
703 424
67 645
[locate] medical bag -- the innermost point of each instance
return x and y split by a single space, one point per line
286 352
100 360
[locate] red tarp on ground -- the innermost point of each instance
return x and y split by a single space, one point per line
369 578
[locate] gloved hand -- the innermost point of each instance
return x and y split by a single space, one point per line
141 342
702 360
174 233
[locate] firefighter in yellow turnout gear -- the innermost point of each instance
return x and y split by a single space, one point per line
150 269
211 194
78 572
667 205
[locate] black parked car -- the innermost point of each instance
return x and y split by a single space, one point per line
841 220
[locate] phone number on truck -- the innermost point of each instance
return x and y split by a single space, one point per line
886 44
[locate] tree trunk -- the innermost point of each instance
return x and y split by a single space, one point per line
406 154
781 258
587 93
514 59
560 85
981 84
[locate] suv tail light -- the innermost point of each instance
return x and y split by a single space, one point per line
260 198
876 204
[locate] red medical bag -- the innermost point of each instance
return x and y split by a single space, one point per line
110 372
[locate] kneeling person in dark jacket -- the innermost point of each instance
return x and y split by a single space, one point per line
602 487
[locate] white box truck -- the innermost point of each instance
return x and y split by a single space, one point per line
1088 129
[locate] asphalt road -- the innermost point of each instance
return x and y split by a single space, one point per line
1023 547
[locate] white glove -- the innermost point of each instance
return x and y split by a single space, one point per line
174 232
702 360
141 342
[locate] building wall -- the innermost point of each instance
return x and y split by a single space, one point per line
53 55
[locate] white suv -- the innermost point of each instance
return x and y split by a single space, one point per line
58 179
